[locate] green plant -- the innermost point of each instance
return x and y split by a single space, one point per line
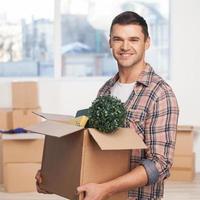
106 114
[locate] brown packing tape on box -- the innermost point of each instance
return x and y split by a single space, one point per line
73 156
25 94
20 177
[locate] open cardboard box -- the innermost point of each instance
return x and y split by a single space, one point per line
74 156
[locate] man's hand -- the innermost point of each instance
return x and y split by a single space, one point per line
93 191
38 178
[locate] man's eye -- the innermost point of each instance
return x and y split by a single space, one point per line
116 39
134 40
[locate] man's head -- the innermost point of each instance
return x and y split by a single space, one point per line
129 39
129 17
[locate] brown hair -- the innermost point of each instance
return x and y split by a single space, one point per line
129 17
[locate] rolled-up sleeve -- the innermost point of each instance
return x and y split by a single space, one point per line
160 137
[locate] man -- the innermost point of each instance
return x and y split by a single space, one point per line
151 109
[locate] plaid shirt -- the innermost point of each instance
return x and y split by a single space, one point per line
152 110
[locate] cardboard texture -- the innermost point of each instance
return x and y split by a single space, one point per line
21 155
20 177
15 118
184 141
54 117
25 117
21 148
184 162
183 168
181 175
73 156
25 95
6 122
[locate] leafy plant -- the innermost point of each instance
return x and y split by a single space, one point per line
106 114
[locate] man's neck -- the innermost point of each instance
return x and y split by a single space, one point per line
130 75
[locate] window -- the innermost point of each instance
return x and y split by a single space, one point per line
32 40
85 31
26 38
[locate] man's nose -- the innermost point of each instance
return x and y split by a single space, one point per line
125 46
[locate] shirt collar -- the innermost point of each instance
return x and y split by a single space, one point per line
146 75
144 78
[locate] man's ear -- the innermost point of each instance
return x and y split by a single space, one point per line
147 43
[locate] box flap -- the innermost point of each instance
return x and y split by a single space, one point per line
54 117
185 128
22 136
124 138
53 128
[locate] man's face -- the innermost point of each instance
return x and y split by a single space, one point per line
128 45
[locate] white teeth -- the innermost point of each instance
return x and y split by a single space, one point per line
125 54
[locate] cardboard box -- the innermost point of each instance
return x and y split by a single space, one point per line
184 141
181 175
22 148
6 119
18 118
183 168
25 94
25 117
73 156
20 177
184 162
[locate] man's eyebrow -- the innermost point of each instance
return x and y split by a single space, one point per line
132 38
115 36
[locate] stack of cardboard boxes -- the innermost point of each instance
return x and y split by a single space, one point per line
21 158
24 102
183 168
20 154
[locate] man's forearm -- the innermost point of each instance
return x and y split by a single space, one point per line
135 178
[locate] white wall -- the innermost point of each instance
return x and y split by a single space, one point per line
185 63
69 95
185 59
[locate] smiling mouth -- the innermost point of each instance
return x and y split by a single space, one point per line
125 55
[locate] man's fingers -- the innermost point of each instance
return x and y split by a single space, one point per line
80 189
40 190
38 177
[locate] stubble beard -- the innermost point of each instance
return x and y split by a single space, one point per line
129 64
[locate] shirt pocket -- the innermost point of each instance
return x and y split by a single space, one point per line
136 119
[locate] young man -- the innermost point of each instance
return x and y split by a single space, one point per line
151 109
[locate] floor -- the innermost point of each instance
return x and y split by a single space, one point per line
173 191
